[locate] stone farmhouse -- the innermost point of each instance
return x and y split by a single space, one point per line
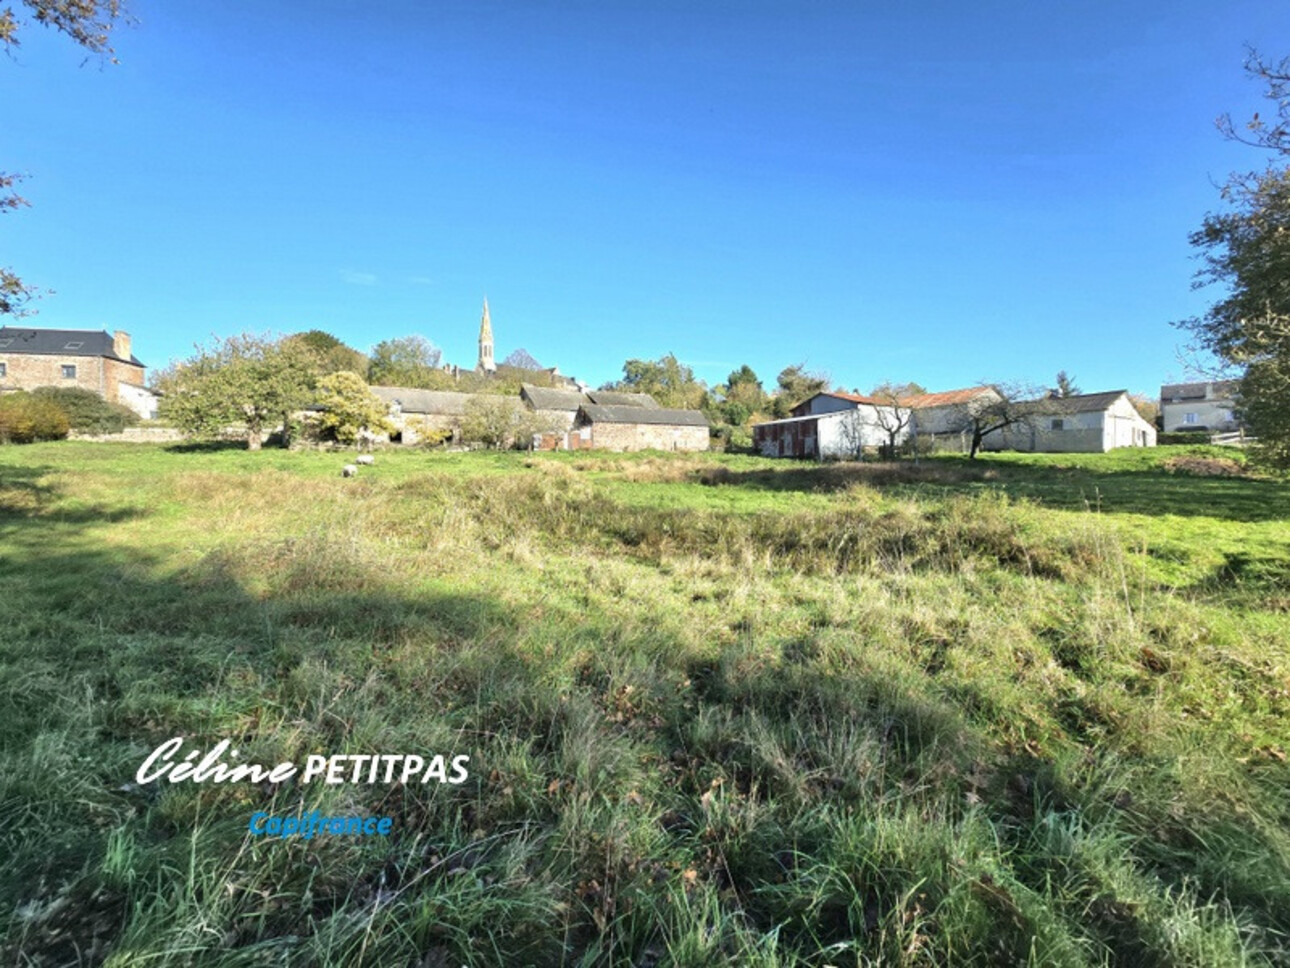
1186 407
89 359
626 428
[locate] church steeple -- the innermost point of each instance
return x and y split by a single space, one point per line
486 343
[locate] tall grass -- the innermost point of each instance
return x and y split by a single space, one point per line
913 719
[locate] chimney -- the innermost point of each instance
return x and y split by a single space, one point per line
121 344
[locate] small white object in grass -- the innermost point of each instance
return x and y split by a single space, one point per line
349 470
365 459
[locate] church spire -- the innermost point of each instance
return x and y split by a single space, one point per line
486 343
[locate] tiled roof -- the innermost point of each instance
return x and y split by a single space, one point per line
60 342
946 398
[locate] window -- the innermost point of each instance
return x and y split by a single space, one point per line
1057 424
1189 418
69 371
74 346
4 370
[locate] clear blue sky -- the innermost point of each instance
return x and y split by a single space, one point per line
939 192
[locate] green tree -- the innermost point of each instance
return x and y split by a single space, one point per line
795 386
738 398
330 354
89 24
409 361
667 380
250 382
349 407
1066 385
1246 249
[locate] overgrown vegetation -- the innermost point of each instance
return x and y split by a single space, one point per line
29 417
720 710
88 412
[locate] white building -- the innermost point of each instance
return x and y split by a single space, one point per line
1199 406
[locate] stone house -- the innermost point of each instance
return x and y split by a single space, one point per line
628 428
418 414
1199 407
89 359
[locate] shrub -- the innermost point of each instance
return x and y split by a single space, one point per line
25 418
86 411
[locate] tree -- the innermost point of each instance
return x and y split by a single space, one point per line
500 422
796 385
992 413
1246 249
667 380
1066 385
248 381
88 23
522 359
891 413
349 407
330 354
410 361
739 397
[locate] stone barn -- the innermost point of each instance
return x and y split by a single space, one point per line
422 414
626 428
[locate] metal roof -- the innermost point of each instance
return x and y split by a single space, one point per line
946 398
642 415
546 398
411 400
617 398
60 342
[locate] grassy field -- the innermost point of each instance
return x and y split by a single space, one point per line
720 710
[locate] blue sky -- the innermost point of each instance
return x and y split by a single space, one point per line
938 192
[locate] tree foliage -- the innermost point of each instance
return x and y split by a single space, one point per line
1246 249
409 361
349 407
329 353
1066 385
26 418
796 385
251 383
87 411
89 24
667 380
499 422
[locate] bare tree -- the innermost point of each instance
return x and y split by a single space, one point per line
891 415
1010 406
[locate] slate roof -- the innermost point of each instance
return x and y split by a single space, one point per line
546 398
1178 392
439 402
1080 403
60 342
656 416
617 398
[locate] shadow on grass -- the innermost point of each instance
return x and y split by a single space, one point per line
1148 491
25 494
204 446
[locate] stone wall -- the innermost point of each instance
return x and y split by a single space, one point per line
626 437
27 371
